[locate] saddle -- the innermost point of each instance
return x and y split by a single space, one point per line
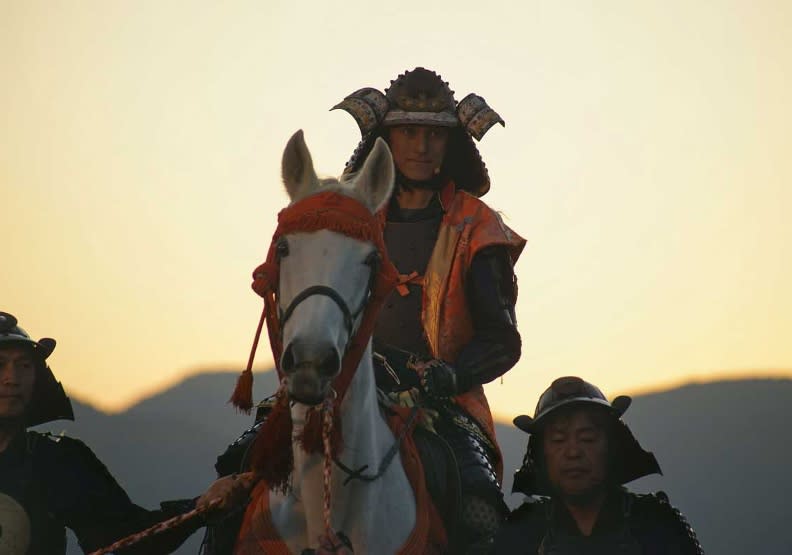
441 475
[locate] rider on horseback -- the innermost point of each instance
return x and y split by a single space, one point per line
450 326
452 318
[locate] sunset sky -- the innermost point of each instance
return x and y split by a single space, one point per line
646 158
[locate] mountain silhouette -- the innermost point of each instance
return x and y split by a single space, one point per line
724 449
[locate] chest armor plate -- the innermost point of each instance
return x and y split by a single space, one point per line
410 246
25 518
14 527
613 542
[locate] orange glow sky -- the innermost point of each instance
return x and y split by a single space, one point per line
646 158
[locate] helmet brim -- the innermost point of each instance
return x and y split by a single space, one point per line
530 425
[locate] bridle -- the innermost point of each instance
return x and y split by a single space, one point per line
373 261
272 456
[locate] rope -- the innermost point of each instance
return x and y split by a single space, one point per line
163 526
253 349
327 429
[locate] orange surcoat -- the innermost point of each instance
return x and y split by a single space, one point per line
467 227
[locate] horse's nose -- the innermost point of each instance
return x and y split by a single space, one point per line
299 355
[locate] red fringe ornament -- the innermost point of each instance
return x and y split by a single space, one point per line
271 454
311 438
242 398
319 220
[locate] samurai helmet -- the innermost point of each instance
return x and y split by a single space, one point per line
421 97
49 401
629 461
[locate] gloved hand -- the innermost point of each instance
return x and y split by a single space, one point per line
230 491
439 379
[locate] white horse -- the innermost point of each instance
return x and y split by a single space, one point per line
378 516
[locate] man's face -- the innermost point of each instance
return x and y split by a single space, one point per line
576 453
17 375
418 150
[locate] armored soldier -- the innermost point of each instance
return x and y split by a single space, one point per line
579 455
48 483
451 321
450 326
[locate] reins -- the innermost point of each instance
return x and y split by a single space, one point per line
386 460
158 528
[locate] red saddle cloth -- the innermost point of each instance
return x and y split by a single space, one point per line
259 536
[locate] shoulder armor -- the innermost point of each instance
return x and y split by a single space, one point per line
63 441
48 440
533 506
659 503
62 450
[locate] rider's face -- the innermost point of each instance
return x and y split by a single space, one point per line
576 453
17 376
418 150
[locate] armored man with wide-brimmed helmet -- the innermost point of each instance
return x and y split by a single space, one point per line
50 483
450 325
579 456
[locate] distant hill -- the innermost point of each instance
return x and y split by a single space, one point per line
724 448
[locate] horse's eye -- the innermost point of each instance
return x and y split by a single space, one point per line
373 259
282 248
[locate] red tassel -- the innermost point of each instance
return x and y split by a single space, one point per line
271 456
242 397
311 438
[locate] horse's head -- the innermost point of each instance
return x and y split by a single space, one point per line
325 275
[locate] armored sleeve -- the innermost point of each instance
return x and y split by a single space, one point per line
491 291
662 528
98 510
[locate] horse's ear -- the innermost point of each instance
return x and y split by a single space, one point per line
297 169
375 179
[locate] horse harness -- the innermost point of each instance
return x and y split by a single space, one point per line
373 261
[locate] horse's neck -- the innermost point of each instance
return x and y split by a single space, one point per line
366 440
